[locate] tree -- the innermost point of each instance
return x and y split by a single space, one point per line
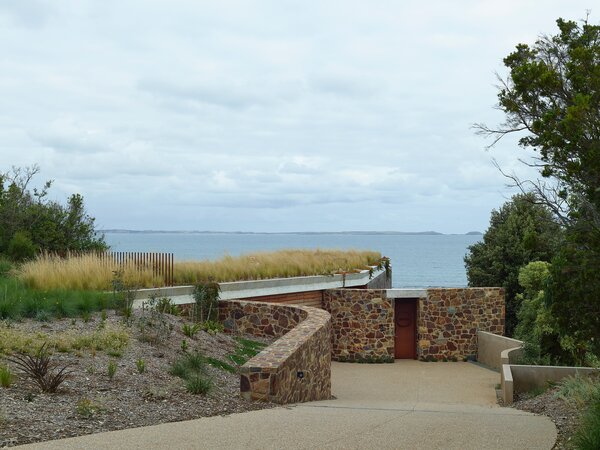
521 231
552 96
29 222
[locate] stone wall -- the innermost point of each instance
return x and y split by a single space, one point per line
296 367
449 319
362 325
259 319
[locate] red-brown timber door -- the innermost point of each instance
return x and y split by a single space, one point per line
405 318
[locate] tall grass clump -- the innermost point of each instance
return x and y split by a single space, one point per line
82 272
278 264
90 272
583 393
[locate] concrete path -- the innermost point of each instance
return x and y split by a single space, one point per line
406 405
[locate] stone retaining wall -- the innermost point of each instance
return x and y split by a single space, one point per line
449 319
296 367
363 325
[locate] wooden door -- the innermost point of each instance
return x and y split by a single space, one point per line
405 318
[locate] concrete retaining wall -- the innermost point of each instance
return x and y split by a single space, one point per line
296 367
490 348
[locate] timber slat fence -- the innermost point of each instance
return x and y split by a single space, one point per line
161 264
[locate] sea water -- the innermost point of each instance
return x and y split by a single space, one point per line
417 260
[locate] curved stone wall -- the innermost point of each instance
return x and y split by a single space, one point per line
296 367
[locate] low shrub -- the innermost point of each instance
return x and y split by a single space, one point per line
587 436
140 364
41 370
87 408
110 338
213 326
198 384
6 376
190 330
192 369
111 370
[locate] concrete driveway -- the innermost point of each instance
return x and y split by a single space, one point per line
406 405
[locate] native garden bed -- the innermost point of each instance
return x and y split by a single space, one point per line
122 371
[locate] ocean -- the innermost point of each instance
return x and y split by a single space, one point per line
417 260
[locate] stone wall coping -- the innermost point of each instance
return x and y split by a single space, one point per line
258 288
406 293
273 356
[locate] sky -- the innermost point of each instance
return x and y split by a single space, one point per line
266 115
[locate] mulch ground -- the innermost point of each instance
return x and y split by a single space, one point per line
89 402
564 416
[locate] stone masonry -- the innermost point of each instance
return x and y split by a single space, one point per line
448 321
296 367
363 325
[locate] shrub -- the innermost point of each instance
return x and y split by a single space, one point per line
188 364
197 384
6 376
87 408
41 370
141 365
206 296
190 330
5 266
213 327
166 306
587 436
21 247
111 370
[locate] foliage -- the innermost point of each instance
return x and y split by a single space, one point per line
521 231
191 367
198 384
166 306
40 369
140 364
587 436
108 339
213 327
536 327
87 408
552 95
89 272
583 393
5 267
111 370
21 247
190 330
30 221
6 376
221 365
206 296
573 297
18 301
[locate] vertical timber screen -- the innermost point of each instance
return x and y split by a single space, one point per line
161 264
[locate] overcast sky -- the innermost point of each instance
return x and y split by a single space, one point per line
265 115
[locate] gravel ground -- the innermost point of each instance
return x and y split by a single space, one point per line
131 399
564 416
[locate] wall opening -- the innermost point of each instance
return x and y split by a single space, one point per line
405 328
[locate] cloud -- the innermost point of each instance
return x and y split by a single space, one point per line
264 117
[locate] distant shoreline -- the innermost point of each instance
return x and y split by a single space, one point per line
359 233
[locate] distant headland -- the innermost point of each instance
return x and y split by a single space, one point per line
364 233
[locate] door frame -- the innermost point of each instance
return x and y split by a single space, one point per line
415 304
